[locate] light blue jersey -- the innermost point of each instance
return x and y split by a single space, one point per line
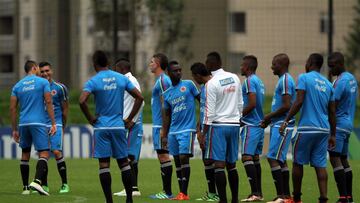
346 93
284 86
59 94
108 88
318 94
30 94
253 84
181 100
202 102
162 83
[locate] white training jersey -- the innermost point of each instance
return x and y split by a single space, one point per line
224 100
129 100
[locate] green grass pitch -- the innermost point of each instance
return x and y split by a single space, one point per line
85 185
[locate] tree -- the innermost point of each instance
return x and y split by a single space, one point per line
352 52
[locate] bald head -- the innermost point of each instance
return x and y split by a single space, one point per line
283 60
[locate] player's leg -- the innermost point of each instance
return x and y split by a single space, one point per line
260 136
322 178
134 149
185 172
297 175
25 145
347 168
186 150
286 179
119 152
178 171
338 169
232 142
105 178
56 143
165 165
41 142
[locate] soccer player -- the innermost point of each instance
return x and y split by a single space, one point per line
32 93
284 96
201 75
252 135
346 93
60 101
158 64
134 135
315 96
108 88
223 109
179 124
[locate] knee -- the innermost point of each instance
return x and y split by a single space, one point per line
230 166
163 157
44 154
131 158
256 158
57 154
122 162
208 162
219 164
245 158
104 162
184 159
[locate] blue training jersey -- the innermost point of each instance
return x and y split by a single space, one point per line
181 100
284 86
29 92
108 88
346 93
318 94
202 103
253 84
162 83
59 94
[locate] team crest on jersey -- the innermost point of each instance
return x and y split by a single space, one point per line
182 89
53 92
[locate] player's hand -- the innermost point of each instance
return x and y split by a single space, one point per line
164 142
92 121
129 123
201 140
332 142
15 135
264 123
283 128
52 130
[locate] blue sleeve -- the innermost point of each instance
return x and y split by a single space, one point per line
339 89
14 91
88 87
164 83
287 86
46 86
194 90
129 85
301 83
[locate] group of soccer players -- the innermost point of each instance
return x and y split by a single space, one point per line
226 106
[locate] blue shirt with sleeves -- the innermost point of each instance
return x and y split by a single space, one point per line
318 94
108 88
162 83
29 92
181 100
253 84
59 95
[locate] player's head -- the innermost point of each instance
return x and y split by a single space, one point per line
46 70
158 62
122 66
336 63
213 61
280 64
199 72
31 67
100 60
314 62
248 65
174 71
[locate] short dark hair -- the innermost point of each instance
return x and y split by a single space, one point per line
163 60
44 63
252 61
123 62
171 63
100 59
200 69
338 57
214 58
316 60
28 65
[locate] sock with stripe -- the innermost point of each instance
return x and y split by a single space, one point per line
251 175
278 180
258 176
135 172
210 177
233 178
220 180
105 180
340 179
126 176
185 173
61 166
24 169
41 170
166 173
349 179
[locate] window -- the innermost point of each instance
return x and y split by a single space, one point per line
6 61
238 22
234 61
324 23
7 26
27 30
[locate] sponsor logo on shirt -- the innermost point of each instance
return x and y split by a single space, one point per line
112 86
108 79
28 88
226 81
28 82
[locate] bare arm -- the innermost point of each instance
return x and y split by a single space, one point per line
332 122
251 104
65 110
50 110
300 95
84 107
13 112
137 103
166 122
286 105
